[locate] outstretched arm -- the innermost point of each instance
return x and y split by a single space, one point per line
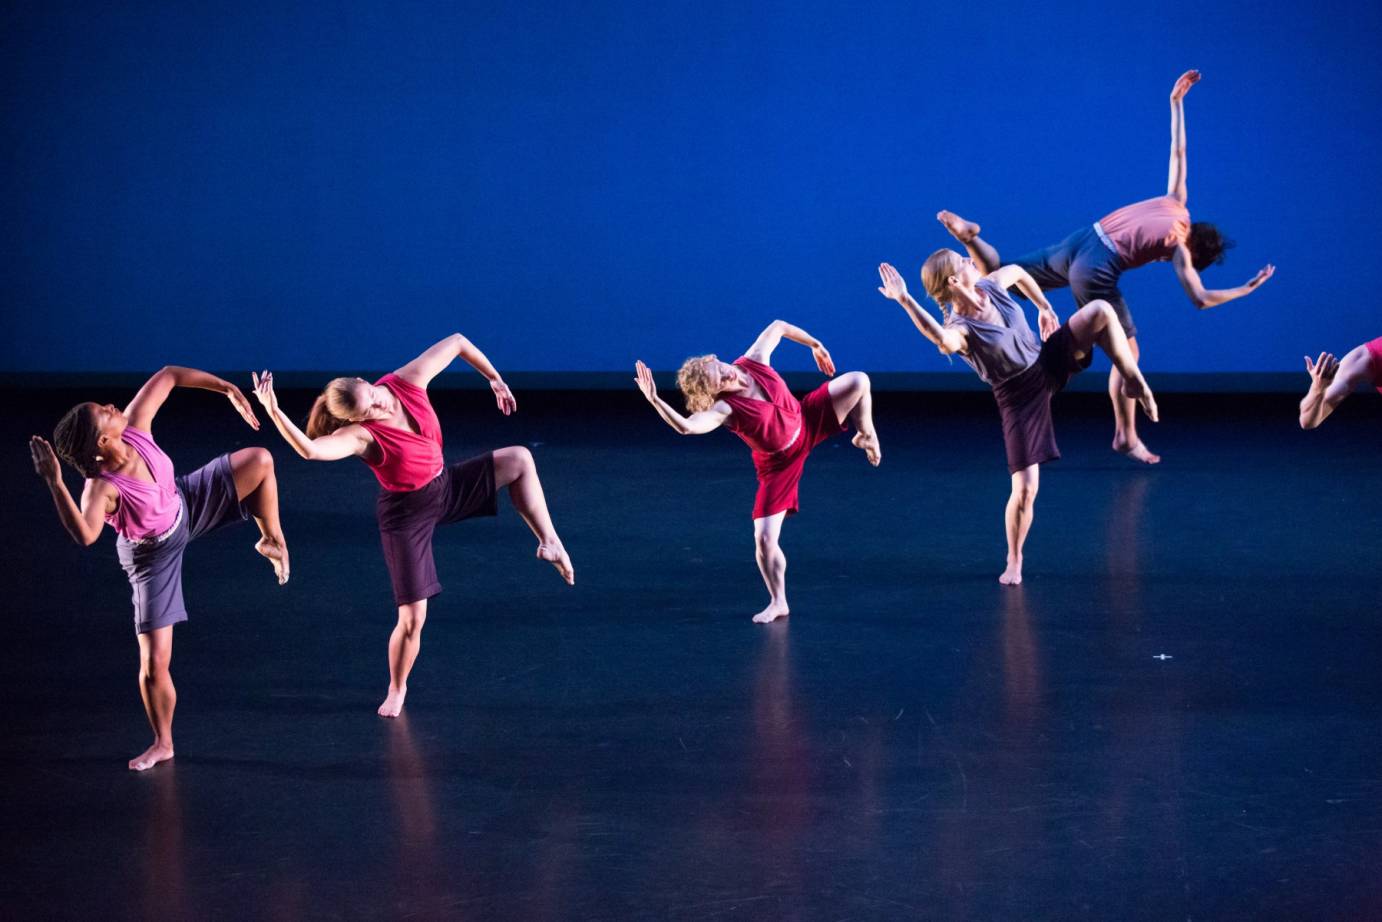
1175 181
776 332
947 339
1330 382
83 522
425 367
1203 297
346 442
695 424
1008 276
146 403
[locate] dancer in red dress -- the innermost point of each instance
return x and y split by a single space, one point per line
753 401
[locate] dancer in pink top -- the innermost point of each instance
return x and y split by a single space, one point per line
750 399
391 426
1091 260
130 485
1331 380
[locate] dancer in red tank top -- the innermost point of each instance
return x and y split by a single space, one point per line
391 426
753 401
1331 380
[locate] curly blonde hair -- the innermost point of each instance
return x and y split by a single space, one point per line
694 381
935 272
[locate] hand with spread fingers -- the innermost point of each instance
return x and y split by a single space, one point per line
1262 275
1322 370
264 390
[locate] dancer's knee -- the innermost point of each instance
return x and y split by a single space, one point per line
154 664
254 461
513 462
1024 490
1102 314
412 617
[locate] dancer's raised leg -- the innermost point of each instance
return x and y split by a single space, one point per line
1097 324
967 232
404 643
515 468
1125 438
772 563
257 487
852 398
160 697
1017 520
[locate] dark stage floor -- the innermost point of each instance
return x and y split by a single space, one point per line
1175 717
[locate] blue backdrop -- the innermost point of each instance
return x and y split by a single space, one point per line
332 186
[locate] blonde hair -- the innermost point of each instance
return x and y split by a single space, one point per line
694 381
935 277
332 408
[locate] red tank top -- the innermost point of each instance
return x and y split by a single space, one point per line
766 425
408 460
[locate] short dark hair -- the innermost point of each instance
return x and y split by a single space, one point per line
74 439
1207 245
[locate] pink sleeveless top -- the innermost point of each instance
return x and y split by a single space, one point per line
144 510
409 459
1148 231
766 425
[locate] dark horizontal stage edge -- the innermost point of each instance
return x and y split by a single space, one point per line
960 380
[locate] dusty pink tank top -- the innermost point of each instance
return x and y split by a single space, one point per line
145 510
1148 231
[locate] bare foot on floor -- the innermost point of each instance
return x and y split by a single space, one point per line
869 443
276 551
393 704
962 230
1137 451
771 613
555 554
158 752
1012 576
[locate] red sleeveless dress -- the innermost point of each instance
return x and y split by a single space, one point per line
767 426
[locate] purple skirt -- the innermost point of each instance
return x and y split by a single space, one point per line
154 568
1024 401
407 520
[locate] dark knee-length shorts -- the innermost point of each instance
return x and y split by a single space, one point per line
408 519
779 472
1085 263
1024 401
154 568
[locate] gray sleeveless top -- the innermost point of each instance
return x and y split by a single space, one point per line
998 351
